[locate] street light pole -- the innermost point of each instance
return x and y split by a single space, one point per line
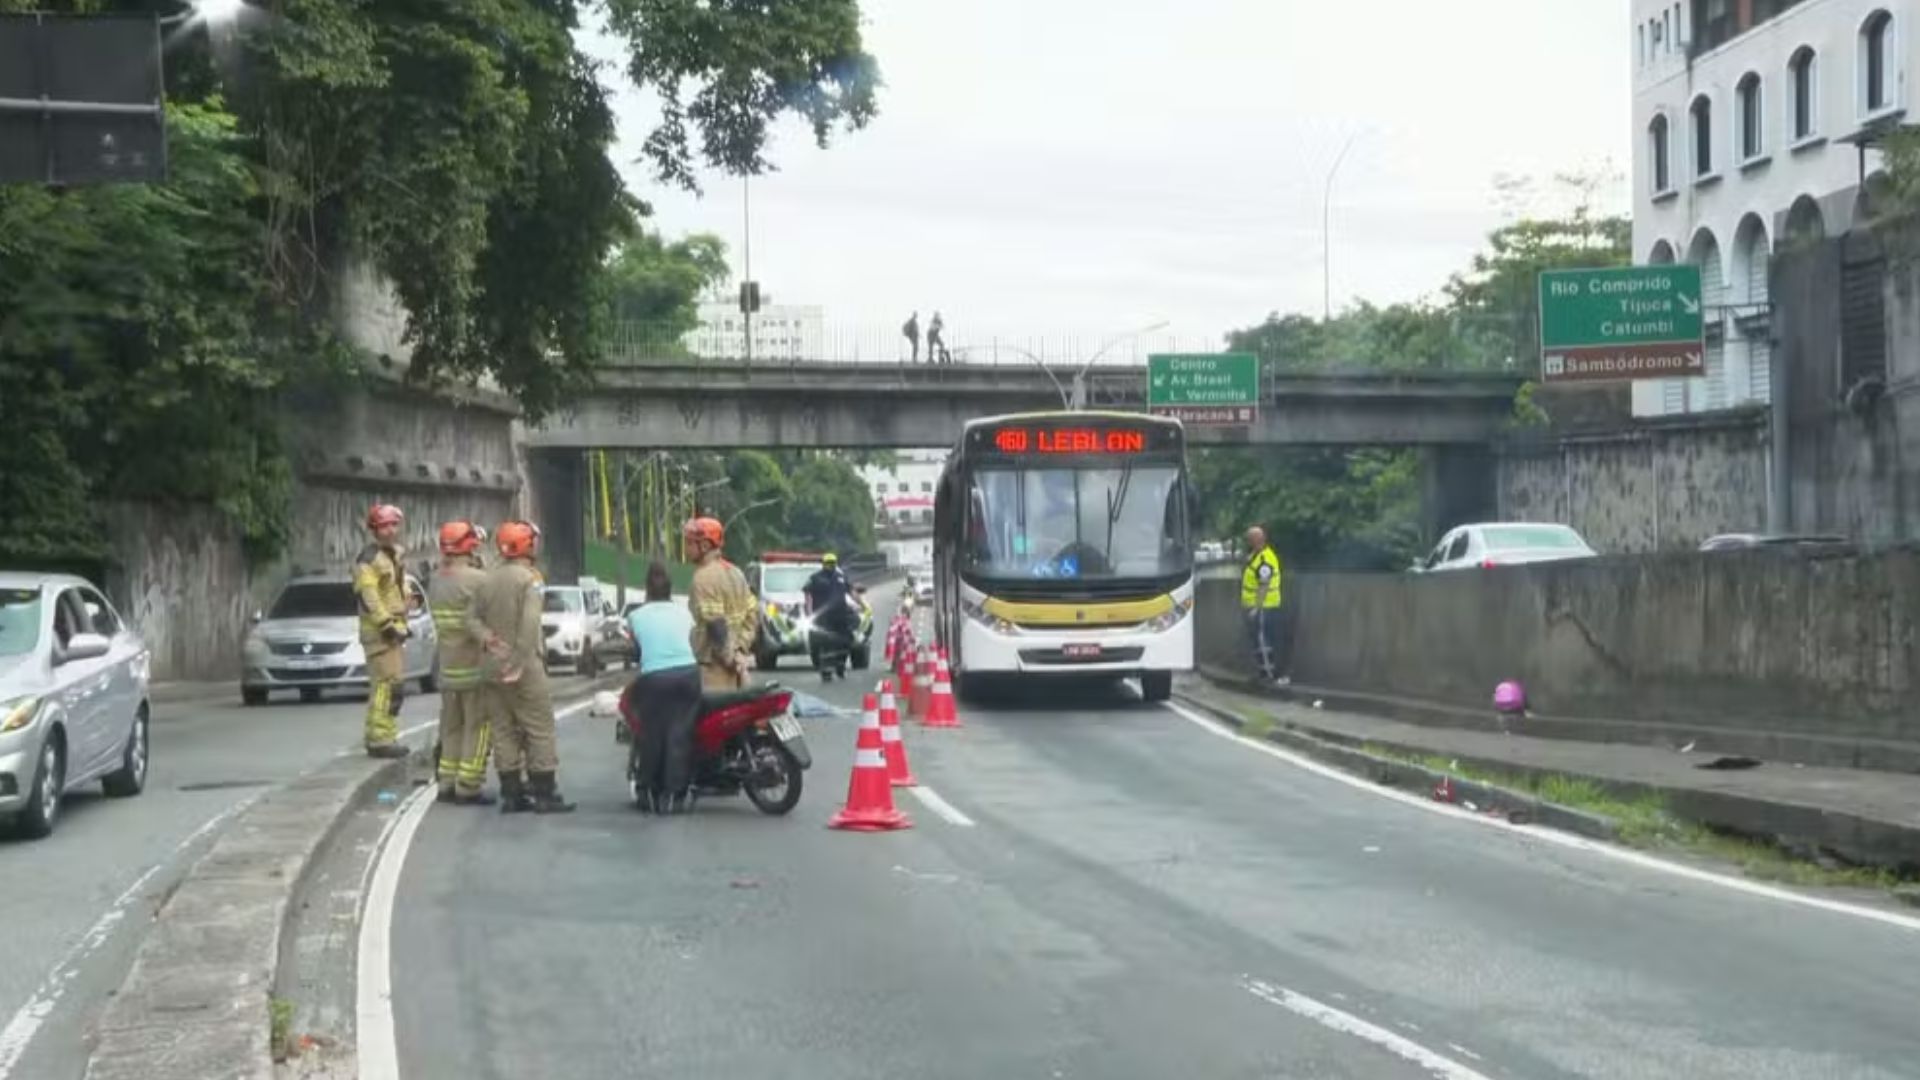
1037 362
1326 231
1080 377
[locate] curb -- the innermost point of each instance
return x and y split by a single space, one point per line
1516 806
1805 830
1876 755
195 1003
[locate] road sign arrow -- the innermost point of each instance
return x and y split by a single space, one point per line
1688 302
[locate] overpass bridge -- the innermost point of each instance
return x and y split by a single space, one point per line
729 404
715 403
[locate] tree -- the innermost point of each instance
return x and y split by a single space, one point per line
748 62
831 508
653 287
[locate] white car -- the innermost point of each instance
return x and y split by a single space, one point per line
921 577
1483 547
574 622
73 698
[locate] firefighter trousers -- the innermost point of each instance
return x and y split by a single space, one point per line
521 714
385 665
465 739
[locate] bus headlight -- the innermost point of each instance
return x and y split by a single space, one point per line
1170 618
980 615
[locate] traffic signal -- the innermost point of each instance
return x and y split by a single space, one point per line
749 297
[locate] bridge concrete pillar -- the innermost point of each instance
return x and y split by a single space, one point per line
559 482
1458 486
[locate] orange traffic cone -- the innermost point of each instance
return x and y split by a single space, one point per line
869 795
896 749
940 710
903 665
920 693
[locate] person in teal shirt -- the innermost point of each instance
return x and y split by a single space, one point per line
666 697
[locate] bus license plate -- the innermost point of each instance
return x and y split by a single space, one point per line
1081 652
785 728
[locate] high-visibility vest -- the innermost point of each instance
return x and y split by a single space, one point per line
1250 580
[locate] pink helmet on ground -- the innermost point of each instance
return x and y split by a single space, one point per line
1510 697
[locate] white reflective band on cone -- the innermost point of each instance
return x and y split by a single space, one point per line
889 733
869 759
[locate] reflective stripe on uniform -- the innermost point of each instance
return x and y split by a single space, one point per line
1251 580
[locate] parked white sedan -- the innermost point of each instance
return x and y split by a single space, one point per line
73 698
1486 546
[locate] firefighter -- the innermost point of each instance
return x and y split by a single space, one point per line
505 617
464 728
726 617
381 587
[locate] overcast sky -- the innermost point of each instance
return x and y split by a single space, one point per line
1087 167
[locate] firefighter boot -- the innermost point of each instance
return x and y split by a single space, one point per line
513 794
546 794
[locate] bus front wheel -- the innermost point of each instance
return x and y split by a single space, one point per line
1156 685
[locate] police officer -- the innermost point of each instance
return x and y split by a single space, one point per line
827 591
1260 592
726 617
464 730
519 705
381 586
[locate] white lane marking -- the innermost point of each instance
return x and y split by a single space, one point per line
1438 1065
378 1052
27 1020
931 800
1553 836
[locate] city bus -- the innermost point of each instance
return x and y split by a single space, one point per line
1061 547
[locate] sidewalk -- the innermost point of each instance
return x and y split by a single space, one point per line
1865 817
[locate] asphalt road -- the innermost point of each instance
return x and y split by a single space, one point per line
1134 897
74 906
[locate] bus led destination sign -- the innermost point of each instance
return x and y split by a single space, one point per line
1069 440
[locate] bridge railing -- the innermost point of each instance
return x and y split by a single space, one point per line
784 342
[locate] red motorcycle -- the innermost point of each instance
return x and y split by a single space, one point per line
745 741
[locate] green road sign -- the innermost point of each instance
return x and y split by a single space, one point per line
1626 322
1208 389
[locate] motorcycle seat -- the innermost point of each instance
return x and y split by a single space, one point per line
714 702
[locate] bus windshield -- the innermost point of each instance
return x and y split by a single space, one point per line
1097 523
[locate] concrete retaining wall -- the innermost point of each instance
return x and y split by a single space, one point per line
1817 646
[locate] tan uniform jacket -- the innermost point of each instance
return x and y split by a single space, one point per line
381 587
720 591
450 596
506 616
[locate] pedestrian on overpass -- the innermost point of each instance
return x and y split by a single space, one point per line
464 730
911 330
506 618
1260 594
666 698
726 617
936 341
380 585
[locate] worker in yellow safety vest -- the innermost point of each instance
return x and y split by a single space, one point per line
380 585
1260 595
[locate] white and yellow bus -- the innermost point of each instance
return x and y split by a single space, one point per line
1062 547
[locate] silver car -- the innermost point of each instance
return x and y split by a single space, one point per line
309 640
73 697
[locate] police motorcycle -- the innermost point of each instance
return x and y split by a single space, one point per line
841 635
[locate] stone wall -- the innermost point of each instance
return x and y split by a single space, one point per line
178 575
1657 485
1776 641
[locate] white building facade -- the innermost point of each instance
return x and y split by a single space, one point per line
780 331
1752 128
903 495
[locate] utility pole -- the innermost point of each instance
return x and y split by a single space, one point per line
746 245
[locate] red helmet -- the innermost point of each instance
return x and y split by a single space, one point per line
707 529
384 514
518 539
460 538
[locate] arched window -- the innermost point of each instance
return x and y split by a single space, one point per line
1661 255
1752 117
1805 223
1876 62
1660 168
1801 71
1702 115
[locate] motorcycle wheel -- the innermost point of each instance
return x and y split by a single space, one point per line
776 799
